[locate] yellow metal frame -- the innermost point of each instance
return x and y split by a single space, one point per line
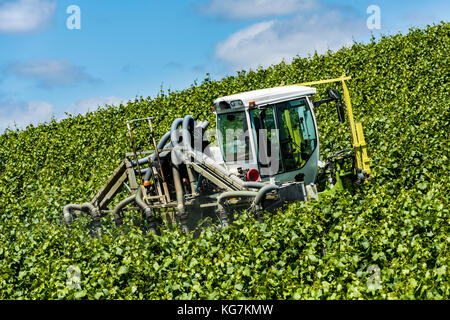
359 143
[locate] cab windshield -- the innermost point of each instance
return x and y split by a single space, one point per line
296 137
234 139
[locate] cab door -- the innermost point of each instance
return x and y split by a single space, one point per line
296 135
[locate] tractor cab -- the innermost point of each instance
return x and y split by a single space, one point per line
269 134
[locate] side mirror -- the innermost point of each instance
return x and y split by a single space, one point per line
334 94
340 112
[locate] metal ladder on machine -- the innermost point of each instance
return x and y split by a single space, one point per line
126 172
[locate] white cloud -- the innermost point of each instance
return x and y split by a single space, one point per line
25 15
266 43
51 72
91 104
22 114
245 9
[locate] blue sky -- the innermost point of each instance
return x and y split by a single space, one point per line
133 48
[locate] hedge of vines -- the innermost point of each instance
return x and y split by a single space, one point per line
389 240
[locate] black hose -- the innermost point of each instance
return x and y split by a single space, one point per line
223 215
87 208
148 212
188 131
161 145
148 175
173 130
141 161
254 185
163 140
263 192
117 212
188 128
141 204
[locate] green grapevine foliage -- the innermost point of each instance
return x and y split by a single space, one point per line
388 241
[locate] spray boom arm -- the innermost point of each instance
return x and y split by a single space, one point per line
359 144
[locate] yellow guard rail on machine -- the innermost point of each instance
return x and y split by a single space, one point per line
359 143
